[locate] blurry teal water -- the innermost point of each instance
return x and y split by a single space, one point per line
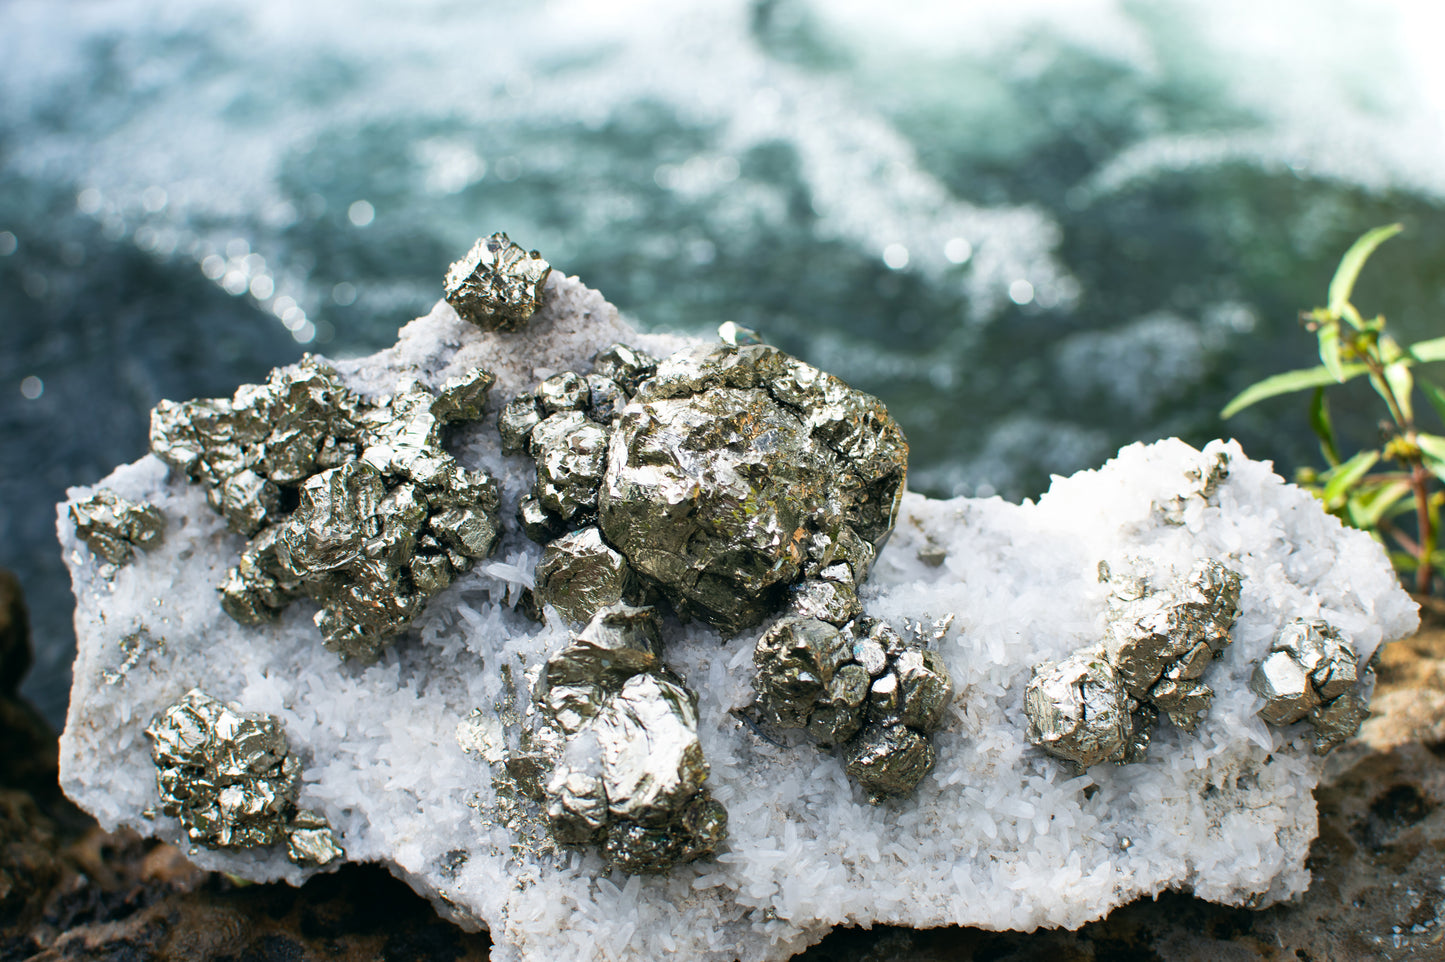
1036 235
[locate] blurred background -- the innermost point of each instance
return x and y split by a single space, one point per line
1037 230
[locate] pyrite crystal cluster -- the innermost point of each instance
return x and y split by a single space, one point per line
1101 703
229 778
1311 672
619 763
113 527
349 501
498 285
730 479
860 688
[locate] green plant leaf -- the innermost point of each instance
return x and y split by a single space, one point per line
1402 386
1347 475
1343 283
1427 351
1323 427
1404 561
1435 396
1374 504
1330 351
1287 383
1433 447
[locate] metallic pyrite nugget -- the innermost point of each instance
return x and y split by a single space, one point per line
862 689
619 763
1101 703
733 479
348 501
497 285
1311 672
230 779
112 527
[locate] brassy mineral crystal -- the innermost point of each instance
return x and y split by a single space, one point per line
349 501
229 778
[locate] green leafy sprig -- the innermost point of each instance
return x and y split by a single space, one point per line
1373 487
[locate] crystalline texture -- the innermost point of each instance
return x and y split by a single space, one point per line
497 285
810 674
384 517
1311 671
731 465
229 778
111 526
629 772
1077 709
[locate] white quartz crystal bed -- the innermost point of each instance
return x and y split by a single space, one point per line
1000 835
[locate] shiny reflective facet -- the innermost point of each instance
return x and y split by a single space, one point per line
112 527
497 285
230 779
383 517
1311 671
1078 710
627 771
833 682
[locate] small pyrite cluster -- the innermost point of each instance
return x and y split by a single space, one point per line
347 501
1311 672
619 764
731 479
860 688
113 527
498 285
1101 703
230 779
565 426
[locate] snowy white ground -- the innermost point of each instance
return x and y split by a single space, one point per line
999 836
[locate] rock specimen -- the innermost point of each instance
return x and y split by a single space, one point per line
1311 672
229 778
112 527
725 477
862 680
349 501
627 766
1101 703
498 285
999 834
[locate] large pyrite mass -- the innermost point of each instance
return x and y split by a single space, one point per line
113 527
230 779
860 688
1311 672
727 476
348 501
1101 703
497 285
626 765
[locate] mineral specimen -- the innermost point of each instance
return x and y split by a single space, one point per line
1311 671
999 835
1101 703
383 517
833 683
227 775
1078 711
730 476
628 772
111 526
498 285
